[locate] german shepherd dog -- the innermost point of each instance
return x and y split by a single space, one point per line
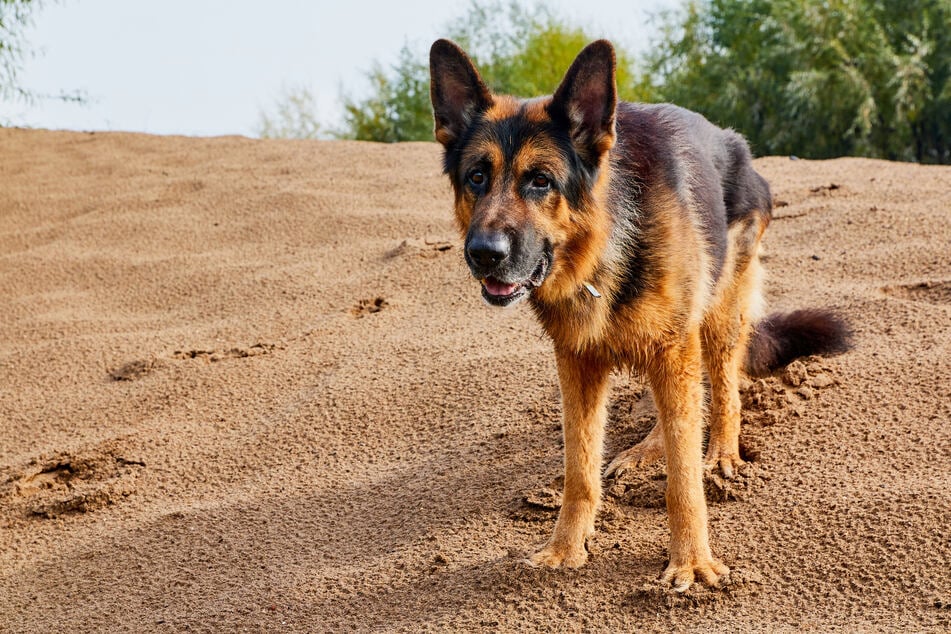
633 231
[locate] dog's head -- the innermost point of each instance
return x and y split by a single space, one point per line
523 171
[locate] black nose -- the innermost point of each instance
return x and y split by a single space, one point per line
486 250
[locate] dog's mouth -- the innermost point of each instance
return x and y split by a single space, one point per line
501 293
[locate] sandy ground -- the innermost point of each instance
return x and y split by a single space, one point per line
249 386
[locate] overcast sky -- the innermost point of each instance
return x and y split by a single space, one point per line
208 67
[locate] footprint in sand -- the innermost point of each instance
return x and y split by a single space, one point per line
368 306
429 247
71 483
139 368
132 371
213 356
931 292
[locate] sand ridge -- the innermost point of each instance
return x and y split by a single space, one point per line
249 385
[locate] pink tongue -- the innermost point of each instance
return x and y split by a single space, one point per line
499 289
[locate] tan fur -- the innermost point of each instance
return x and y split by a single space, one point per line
725 329
584 381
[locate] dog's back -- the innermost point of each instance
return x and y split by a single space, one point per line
709 168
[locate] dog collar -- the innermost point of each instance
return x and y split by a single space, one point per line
594 292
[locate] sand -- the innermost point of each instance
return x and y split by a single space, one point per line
249 386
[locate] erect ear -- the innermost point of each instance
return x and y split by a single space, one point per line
586 101
457 91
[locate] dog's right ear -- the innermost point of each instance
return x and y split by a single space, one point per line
457 91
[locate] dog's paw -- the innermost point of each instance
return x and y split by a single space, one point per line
559 556
640 455
728 464
709 571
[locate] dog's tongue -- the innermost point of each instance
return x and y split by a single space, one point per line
497 288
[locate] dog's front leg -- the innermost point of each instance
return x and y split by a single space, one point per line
675 378
584 382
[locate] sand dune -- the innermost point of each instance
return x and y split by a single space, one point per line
249 385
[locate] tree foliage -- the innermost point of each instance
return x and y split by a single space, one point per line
817 78
525 51
398 107
521 51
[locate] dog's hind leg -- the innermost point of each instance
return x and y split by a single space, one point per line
675 377
648 450
584 387
726 332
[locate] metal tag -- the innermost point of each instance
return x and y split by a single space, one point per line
594 292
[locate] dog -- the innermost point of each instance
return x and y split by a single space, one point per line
633 232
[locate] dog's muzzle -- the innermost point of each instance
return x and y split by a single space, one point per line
507 273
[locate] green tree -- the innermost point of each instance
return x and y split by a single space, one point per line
521 51
817 78
525 51
398 107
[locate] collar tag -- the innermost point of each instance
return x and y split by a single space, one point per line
594 292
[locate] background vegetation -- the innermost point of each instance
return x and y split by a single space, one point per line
519 50
815 78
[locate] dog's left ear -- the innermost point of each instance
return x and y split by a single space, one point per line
586 101
456 89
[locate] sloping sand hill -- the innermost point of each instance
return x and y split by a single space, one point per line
249 386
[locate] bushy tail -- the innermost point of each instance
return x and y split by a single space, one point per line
782 337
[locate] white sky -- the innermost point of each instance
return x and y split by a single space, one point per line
208 67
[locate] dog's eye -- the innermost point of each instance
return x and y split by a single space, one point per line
477 178
541 181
